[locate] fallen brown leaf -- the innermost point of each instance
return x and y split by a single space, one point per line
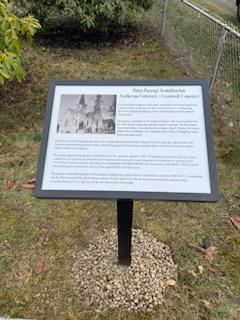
206 304
170 282
197 248
192 273
9 184
28 186
41 228
32 181
18 220
216 271
210 252
39 267
235 220
213 270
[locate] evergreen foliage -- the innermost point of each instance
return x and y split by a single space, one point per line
92 14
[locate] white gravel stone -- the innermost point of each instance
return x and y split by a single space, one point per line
105 284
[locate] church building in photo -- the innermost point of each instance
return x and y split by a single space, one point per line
83 118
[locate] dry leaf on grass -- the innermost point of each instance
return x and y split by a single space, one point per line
192 273
235 220
206 304
30 184
209 252
42 229
170 282
200 269
32 181
216 271
39 267
9 184
213 270
197 248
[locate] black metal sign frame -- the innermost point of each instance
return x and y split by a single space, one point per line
86 194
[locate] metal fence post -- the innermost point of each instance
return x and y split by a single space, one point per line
164 16
218 59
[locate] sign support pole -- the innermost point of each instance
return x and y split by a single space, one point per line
124 221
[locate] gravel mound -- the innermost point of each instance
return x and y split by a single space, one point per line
100 282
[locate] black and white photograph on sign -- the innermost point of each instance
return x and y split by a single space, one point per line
87 113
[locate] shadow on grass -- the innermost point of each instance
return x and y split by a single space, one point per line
69 34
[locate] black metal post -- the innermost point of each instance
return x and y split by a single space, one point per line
124 220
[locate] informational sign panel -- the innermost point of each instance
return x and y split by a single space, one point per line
128 140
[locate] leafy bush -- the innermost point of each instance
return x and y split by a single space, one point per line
92 14
12 28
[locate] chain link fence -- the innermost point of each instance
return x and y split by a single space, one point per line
209 48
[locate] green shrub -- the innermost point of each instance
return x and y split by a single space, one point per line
92 14
12 28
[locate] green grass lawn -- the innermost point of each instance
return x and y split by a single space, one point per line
50 231
220 11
